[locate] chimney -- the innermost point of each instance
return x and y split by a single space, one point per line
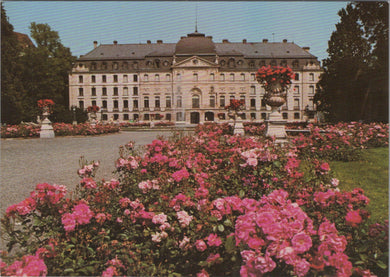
265 40
148 42
225 41
159 41
306 48
115 42
285 41
244 40
95 44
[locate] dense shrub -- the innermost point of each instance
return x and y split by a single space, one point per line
60 129
207 204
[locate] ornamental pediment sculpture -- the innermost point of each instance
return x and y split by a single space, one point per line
194 61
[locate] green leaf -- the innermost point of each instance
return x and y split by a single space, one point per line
381 264
230 245
69 270
221 228
228 223
277 164
241 194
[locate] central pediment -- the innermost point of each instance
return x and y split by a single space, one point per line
194 62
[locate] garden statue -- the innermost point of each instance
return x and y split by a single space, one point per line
235 111
92 110
275 80
46 105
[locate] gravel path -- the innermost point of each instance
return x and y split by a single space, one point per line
27 162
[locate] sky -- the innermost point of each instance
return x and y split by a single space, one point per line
79 23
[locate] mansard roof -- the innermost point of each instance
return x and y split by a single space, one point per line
197 44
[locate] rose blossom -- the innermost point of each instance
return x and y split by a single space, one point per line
353 218
184 218
200 245
213 240
301 242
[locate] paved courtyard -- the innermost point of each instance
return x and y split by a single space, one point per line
27 162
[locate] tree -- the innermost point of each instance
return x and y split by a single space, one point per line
350 87
12 91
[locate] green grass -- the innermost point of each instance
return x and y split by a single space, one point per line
371 173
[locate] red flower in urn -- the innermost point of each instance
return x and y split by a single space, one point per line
269 75
45 104
93 109
235 105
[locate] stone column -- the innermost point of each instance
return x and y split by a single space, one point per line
46 127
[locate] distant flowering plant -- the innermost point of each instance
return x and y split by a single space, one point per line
93 109
43 103
235 105
268 75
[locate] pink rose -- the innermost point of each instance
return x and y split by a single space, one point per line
200 245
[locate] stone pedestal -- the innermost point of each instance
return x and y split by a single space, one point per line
276 126
46 128
238 127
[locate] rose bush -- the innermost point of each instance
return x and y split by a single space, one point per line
60 129
209 204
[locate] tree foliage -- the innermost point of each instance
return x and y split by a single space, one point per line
354 85
30 74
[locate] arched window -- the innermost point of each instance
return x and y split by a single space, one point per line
168 77
311 77
157 78
253 90
253 77
146 78
168 102
212 77
179 101
212 101
222 101
311 89
232 77
222 77
178 77
242 76
195 101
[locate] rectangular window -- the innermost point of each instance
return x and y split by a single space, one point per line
296 104
80 78
222 101
125 104
104 78
81 92
116 104
93 79
104 91
168 102
296 76
179 101
135 78
115 78
135 104
253 90
104 104
115 91
296 89
135 90
157 102
212 101
311 89
93 103
263 104
125 116
125 91
253 103
93 91
81 105
146 102
125 79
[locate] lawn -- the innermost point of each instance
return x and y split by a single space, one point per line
371 173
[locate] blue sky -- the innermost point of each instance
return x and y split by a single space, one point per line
80 23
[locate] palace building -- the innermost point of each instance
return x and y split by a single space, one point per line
190 81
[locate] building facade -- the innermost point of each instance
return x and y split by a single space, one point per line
190 81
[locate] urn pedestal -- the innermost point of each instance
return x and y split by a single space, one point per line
238 127
46 127
92 119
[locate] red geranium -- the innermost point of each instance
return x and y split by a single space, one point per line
93 109
268 75
45 103
235 105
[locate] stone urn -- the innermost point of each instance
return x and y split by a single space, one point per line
92 118
275 97
237 122
46 127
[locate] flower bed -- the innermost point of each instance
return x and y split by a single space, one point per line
207 204
60 129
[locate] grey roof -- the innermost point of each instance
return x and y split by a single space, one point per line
248 50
